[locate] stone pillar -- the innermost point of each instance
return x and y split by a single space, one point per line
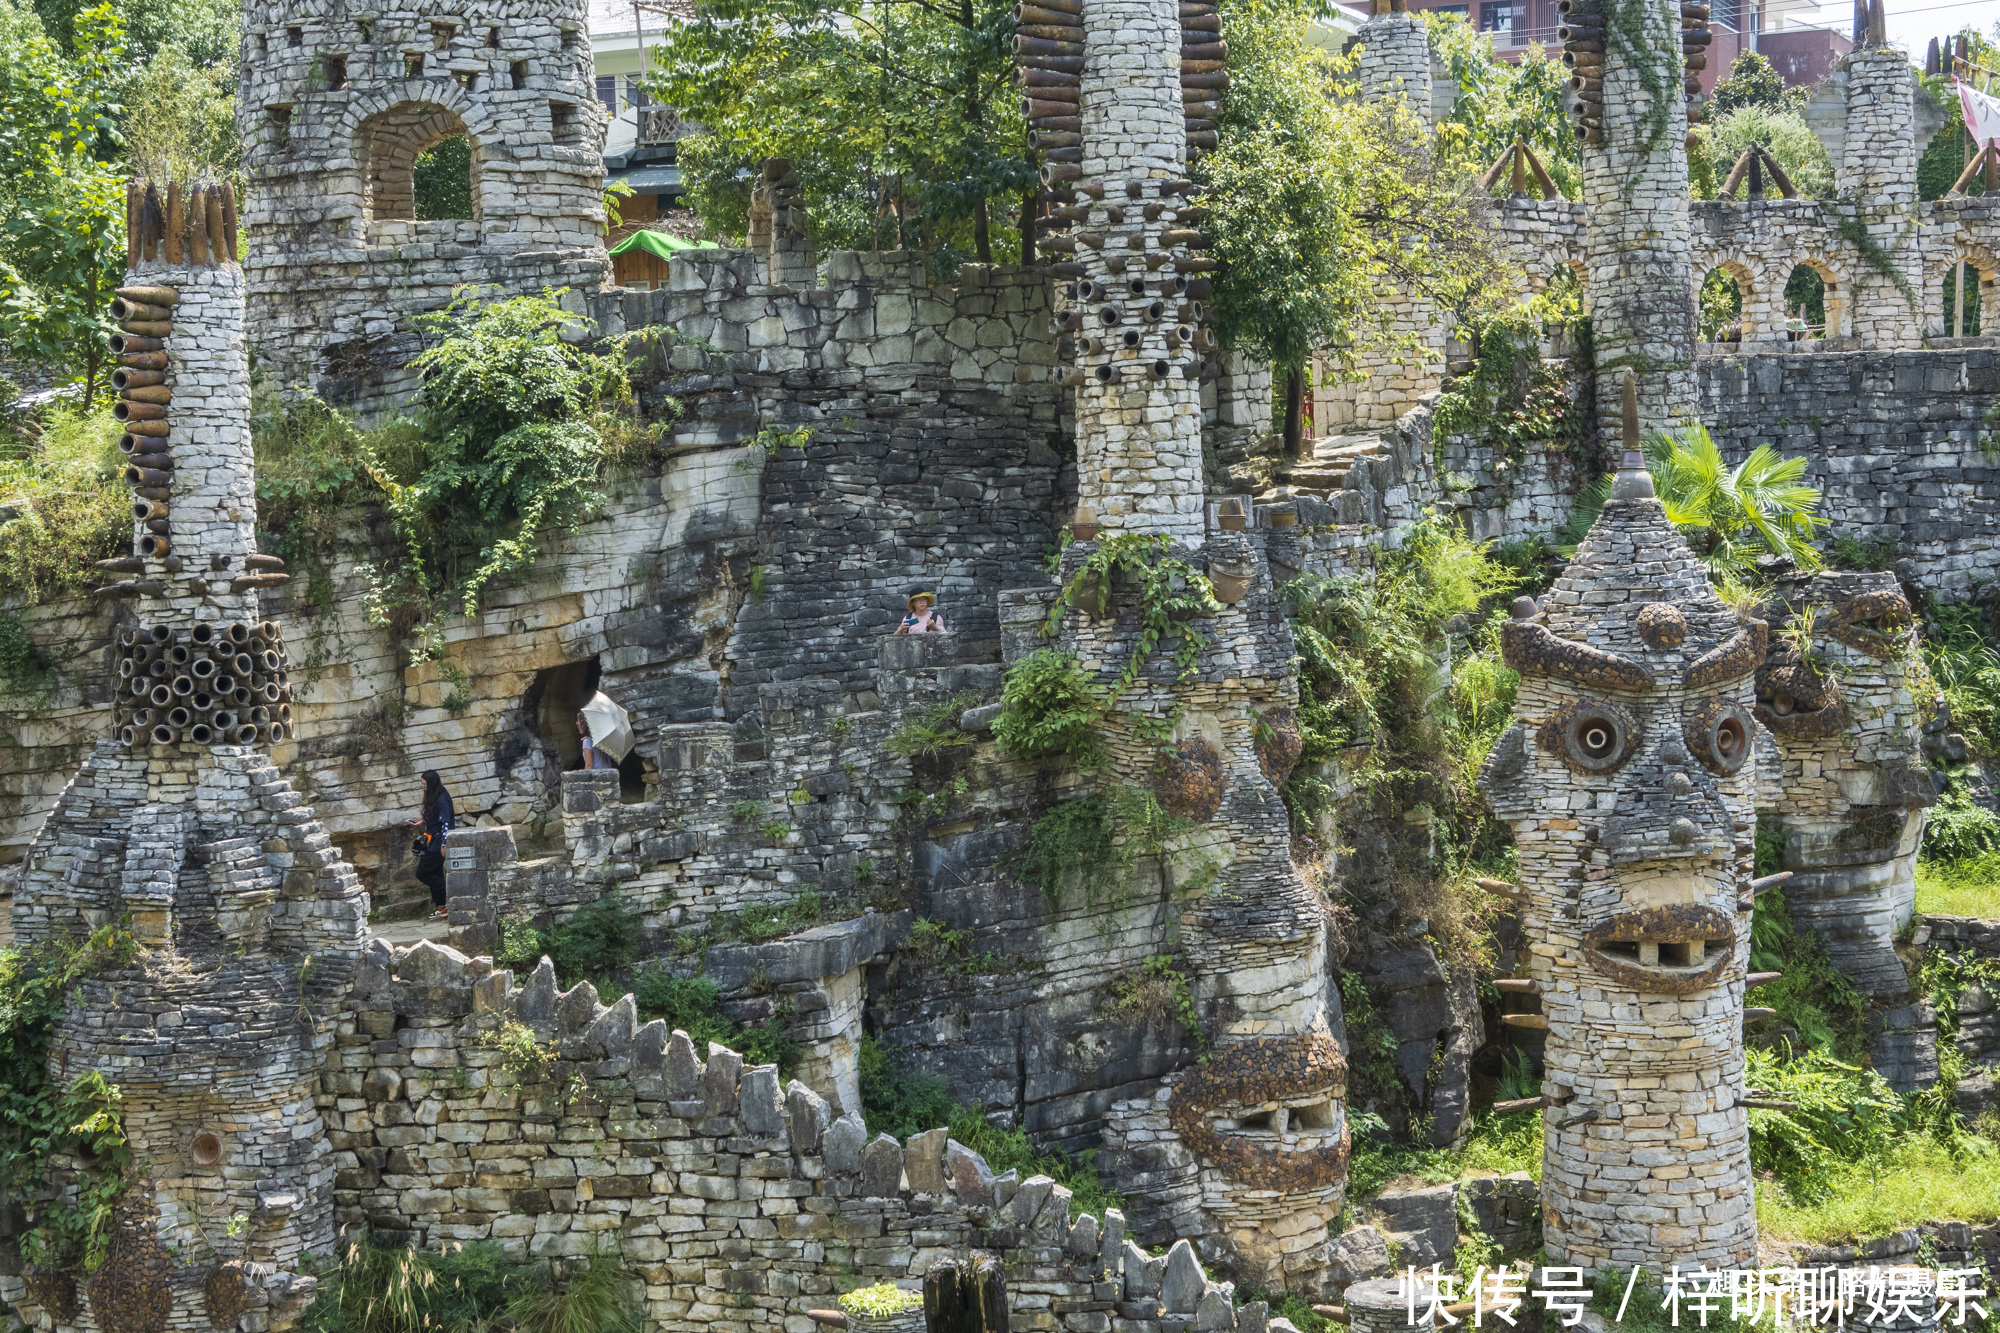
777 227
1642 309
1138 389
1629 779
1395 65
184 821
1878 148
1396 61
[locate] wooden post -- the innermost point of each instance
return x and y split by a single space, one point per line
1549 190
966 1296
1520 182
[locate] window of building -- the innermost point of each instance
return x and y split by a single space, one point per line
518 71
334 69
278 121
295 36
635 91
564 123
607 92
413 67
1496 16
418 164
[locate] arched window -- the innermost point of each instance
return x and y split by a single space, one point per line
1812 303
1721 305
390 145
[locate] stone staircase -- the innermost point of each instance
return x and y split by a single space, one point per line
1325 473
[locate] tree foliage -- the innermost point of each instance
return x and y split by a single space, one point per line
1730 515
1320 204
900 116
1500 101
62 202
515 425
1782 131
1754 82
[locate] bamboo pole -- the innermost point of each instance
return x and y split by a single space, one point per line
1736 174
1549 190
197 254
217 251
152 226
1785 185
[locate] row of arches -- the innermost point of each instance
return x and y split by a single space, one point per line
1745 300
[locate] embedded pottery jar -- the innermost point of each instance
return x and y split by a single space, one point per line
1230 515
1084 526
1231 579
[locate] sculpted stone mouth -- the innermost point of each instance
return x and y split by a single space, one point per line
1268 1112
1664 950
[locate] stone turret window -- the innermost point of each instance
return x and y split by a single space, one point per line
565 126
518 72
413 67
333 72
278 126
388 146
295 37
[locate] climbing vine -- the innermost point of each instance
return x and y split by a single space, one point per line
40 1118
1855 232
1647 48
1171 591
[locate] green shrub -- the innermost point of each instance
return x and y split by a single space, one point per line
932 730
596 1300
1846 1115
1073 837
398 1289
1962 662
1813 997
1959 828
1050 709
24 670
63 506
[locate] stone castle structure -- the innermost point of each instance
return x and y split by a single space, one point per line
334 108
293 1082
1629 777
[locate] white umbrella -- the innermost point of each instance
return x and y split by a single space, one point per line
610 728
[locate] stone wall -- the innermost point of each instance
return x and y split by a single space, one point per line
740 1202
1894 440
1978 1008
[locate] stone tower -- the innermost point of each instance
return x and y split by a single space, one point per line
1630 781
1255 1139
247 917
1633 122
335 105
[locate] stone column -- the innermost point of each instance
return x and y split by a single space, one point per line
1396 61
1875 175
1138 389
1642 309
184 821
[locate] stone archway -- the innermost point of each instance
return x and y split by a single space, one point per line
386 147
1940 290
1815 296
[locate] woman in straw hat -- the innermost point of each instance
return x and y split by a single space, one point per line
922 619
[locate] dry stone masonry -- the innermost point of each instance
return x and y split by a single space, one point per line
250 920
334 106
1629 778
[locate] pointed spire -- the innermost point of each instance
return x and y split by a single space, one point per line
1633 482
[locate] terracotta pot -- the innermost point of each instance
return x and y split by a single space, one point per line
1230 516
1229 588
1084 526
1284 518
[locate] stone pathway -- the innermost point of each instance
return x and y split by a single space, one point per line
405 933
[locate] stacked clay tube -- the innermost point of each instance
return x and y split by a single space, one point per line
1137 308
204 684
1695 38
1203 78
1048 58
1582 34
145 322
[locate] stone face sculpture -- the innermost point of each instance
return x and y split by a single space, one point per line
1629 778
1850 789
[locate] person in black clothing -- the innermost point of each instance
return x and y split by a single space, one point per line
434 825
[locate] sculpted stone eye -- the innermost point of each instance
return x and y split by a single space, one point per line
1719 735
1591 735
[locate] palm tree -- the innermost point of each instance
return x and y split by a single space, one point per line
1731 515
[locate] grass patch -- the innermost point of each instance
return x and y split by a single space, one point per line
1920 1180
1498 1145
932 730
62 505
1970 887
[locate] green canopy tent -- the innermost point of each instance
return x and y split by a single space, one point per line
657 243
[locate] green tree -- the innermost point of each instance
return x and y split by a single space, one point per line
1784 134
444 179
62 202
1753 81
181 119
1500 101
901 119
1320 202
1731 515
